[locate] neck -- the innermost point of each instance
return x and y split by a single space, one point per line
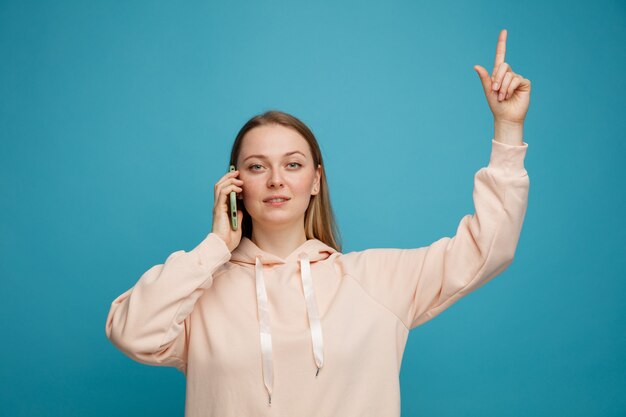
281 241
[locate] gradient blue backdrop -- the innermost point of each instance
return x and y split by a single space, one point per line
116 120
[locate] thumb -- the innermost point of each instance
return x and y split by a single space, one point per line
485 79
239 221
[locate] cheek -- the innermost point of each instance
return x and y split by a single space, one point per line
303 187
251 186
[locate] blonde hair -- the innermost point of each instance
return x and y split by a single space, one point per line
319 220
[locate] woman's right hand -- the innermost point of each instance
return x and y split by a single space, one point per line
221 210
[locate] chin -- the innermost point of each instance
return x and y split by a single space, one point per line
278 219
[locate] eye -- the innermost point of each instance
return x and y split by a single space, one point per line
295 163
252 166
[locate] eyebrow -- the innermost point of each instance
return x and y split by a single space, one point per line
265 157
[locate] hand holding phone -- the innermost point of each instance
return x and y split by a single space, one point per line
226 218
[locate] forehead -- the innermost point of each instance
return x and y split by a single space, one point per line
273 141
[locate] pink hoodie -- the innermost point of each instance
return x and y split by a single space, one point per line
319 333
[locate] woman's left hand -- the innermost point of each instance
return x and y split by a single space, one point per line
508 93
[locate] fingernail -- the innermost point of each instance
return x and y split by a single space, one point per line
495 86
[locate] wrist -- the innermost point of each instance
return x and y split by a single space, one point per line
510 133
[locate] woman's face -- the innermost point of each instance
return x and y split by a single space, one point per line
276 160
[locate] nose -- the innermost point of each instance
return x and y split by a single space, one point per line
275 180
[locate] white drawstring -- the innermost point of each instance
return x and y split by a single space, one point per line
311 308
264 329
264 321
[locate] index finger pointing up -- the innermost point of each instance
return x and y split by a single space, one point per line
500 51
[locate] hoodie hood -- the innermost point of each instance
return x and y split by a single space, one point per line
248 251
313 250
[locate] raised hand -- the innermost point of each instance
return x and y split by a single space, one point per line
508 93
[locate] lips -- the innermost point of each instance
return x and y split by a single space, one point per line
276 196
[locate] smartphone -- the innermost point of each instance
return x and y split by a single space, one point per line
233 205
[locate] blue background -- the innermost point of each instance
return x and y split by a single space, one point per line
116 120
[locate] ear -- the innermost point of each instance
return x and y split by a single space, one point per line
317 181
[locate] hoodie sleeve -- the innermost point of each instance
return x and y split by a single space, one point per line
149 322
418 284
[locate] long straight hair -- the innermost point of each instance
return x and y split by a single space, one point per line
319 220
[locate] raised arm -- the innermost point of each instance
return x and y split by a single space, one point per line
418 284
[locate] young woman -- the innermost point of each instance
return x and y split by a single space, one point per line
272 319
